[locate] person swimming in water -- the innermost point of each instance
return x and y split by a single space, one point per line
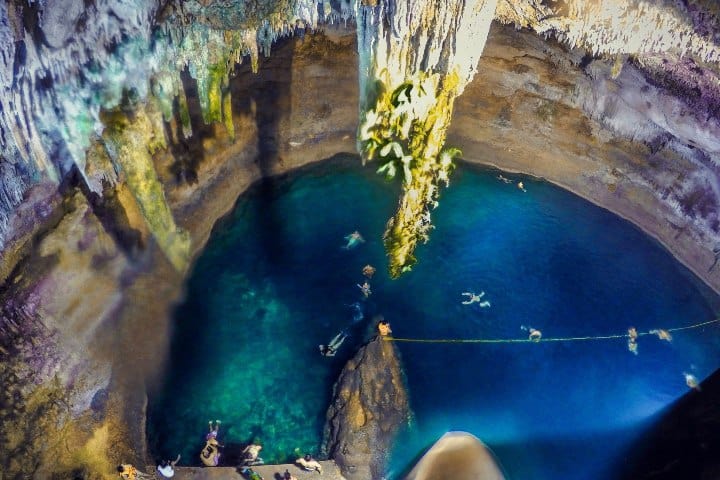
533 333
331 349
357 312
365 289
521 186
691 381
662 334
632 340
472 298
368 271
504 179
353 240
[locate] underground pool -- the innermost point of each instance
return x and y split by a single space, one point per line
275 282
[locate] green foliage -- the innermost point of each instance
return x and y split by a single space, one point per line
404 131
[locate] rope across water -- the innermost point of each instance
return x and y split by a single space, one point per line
527 340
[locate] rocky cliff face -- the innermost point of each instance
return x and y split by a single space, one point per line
123 125
369 405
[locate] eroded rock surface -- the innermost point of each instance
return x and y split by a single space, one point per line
369 405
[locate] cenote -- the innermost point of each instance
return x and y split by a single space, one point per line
274 283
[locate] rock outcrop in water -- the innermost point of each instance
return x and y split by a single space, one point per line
369 405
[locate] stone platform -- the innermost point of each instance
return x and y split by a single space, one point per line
268 472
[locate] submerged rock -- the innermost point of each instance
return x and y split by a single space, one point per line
457 455
369 405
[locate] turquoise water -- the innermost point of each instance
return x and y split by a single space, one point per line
274 283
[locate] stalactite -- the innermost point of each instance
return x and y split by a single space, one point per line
131 143
416 56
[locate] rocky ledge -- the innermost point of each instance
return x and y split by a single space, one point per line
369 405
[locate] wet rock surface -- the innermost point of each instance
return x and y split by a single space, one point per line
369 405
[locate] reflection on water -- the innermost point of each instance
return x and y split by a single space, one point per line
275 283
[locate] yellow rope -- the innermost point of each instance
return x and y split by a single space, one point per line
527 340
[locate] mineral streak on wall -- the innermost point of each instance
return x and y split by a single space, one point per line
416 56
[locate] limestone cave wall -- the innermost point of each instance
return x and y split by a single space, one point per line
158 132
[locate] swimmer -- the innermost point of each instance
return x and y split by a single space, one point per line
368 271
533 333
504 179
632 346
521 187
331 349
365 289
472 298
357 312
691 381
632 333
662 334
212 431
353 240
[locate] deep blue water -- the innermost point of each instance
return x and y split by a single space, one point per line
274 283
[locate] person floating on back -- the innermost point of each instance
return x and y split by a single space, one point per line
662 334
353 240
166 469
331 349
309 464
504 179
472 297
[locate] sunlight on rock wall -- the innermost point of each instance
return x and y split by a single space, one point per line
416 57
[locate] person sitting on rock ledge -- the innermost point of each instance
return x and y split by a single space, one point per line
384 328
288 476
210 454
166 467
309 464
127 471
250 474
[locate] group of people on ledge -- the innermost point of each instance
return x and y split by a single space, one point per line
210 457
